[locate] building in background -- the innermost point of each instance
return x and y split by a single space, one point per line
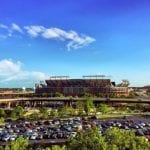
147 88
14 92
93 85
121 89
96 85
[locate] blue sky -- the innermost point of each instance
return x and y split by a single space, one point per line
39 38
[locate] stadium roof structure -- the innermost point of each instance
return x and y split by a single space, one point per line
95 76
59 77
82 77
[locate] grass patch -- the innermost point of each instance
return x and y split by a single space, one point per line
112 115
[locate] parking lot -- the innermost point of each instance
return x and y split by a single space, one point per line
58 130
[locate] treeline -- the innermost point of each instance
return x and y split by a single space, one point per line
15 113
61 95
82 108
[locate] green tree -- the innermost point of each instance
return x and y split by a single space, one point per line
13 115
113 139
34 115
104 108
54 113
2 121
2 113
57 147
66 111
87 140
63 111
44 112
87 94
88 105
7 147
80 106
125 140
18 111
57 94
19 144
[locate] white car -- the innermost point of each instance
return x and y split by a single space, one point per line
13 137
6 138
73 134
34 136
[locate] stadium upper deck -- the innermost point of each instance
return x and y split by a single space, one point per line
75 87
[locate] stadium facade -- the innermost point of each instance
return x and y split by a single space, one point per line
94 85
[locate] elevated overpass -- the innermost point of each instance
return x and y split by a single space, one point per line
47 101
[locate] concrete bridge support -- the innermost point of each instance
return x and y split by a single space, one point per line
8 105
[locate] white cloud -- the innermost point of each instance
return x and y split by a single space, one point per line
9 30
3 26
13 71
7 67
74 40
15 27
53 33
34 31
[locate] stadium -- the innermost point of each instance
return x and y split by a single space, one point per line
96 85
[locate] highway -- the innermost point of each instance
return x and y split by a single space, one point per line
67 99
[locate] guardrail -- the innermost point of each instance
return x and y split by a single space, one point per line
74 99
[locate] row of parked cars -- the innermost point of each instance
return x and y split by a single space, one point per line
42 129
62 129
140 128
